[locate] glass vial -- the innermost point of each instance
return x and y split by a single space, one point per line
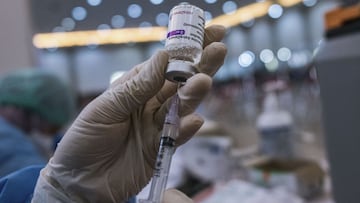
184 41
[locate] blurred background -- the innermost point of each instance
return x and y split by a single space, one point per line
271 48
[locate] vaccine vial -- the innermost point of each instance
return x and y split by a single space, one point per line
275 126
184 41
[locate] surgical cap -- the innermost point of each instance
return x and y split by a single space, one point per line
39 92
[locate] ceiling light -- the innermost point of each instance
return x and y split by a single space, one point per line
208 16
162 19
299 59
246 58
266 55
272 66
210 1
275 11
58 29
103 30
68 24
284 54
145 24
79 13
94 2
248 23
309 3
134 10
118 21
288 3
104 27
229 7
84 38
156 2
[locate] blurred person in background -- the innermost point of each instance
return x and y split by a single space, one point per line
34 106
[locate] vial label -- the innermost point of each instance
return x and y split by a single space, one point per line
186 26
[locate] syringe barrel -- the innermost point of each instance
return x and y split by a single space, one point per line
162 167
167 147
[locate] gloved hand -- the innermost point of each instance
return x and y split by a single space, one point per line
108 153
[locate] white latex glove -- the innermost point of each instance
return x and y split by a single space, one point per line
108 153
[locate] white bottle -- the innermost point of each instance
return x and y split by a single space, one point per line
276 129
184 41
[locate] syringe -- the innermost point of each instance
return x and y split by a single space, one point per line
166 150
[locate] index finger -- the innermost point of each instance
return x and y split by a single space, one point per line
213 33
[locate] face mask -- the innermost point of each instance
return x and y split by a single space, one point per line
45 143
